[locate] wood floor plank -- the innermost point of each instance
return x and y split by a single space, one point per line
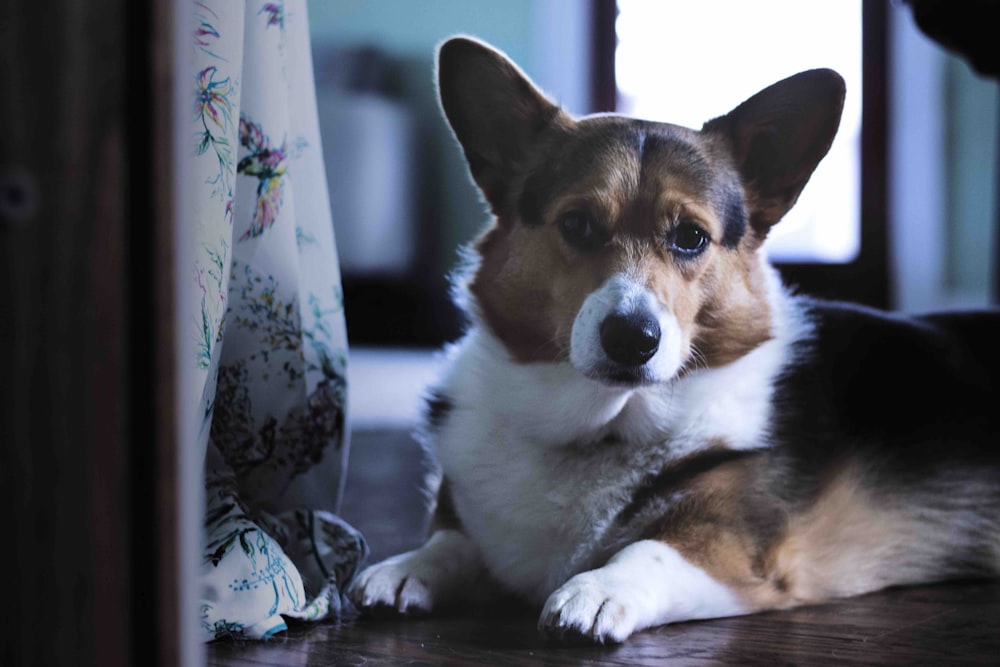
947 624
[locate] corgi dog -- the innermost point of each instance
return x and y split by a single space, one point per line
642 425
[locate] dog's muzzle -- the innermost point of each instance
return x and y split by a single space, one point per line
630 339
622 336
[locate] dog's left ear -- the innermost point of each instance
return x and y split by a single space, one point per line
777 138
496 112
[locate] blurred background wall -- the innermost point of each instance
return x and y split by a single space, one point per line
942 123
402 198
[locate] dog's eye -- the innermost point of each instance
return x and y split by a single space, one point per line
688 239
580 232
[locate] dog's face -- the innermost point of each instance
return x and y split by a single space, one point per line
629 248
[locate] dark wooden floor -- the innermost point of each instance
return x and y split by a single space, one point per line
938 625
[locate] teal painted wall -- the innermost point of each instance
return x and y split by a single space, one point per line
412 27
549 39
973 114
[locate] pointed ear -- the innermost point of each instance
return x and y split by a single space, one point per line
777 138
496 112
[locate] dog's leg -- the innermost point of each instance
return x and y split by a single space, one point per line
646 584
421 580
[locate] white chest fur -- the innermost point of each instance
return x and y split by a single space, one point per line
540 460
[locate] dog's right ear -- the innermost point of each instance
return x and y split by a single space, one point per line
496 112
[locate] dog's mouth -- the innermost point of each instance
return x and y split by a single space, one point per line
618 375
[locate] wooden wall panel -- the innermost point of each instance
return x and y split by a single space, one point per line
84 308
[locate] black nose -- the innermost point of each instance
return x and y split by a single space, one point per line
630 338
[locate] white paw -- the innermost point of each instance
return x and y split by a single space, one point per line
646 584
419 581
392 586
586 606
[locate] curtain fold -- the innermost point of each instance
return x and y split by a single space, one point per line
269 341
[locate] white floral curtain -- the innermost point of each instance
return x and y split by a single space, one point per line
268 340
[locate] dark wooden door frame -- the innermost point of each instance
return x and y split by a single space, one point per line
603 42
87 426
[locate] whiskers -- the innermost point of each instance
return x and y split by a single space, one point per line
559 342
696 361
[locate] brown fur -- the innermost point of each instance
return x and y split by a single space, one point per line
846 541
729 524
530 291
735 316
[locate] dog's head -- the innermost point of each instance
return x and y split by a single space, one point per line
629 248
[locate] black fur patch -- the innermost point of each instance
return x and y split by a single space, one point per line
873 372
733 213
531 206
445 517
904 397
438 407
666 150
674 477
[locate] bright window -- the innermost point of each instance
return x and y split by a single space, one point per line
686 62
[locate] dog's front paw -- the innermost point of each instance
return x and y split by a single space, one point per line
392 587
588 607
419 581
646 584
